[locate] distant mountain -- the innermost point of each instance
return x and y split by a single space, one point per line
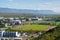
8 10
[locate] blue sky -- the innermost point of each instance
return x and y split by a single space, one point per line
32 4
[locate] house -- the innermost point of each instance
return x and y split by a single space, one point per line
40 19
16 22
9 22
7 25
36 19
28 19
1 17
23 19
11 19
16 18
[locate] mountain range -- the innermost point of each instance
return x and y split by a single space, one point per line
19 11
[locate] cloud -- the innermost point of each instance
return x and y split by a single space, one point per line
56 9
42 6
10 0
50 6
36 5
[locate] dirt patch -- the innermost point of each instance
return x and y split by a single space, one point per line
49 27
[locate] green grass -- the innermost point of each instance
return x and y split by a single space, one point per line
30 28
34 27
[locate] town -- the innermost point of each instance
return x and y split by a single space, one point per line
29 19
15 28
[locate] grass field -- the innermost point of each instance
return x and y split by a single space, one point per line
33 27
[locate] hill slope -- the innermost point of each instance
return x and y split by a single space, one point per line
8 10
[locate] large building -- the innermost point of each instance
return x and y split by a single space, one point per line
9 35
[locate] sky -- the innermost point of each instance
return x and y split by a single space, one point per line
31 4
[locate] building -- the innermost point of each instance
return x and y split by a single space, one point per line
16 22
36 19
1 17
7 25
9 35
23 19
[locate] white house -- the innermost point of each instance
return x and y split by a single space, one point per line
40 19
11 19
1 17
16 18
16 22
29 19
7 25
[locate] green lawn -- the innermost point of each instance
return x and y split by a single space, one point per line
30 27
34 27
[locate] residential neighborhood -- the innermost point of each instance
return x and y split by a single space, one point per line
8 24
